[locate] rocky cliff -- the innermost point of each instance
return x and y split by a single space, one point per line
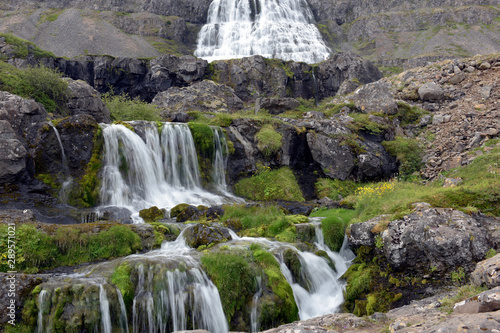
393 33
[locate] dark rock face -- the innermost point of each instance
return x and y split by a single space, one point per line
77 136
86 100
278 105
202 234
204 96
12 155
375 97
432 237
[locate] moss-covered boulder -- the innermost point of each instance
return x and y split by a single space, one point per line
190 213
177 209
202 234
151 214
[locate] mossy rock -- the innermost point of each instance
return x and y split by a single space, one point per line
202 234
151 214
292 261
190 213
176 210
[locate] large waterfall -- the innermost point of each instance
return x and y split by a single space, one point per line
282 29
158 169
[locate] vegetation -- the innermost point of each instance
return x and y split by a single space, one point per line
408 153
65 246
23 47
43 84
335 188
333 226
270 185
124 108
268 140
461 294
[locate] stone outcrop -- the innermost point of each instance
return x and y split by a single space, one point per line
487 272
486 301
204 96
86 100
12 155
375 97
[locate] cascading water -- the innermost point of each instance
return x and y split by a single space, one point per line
160 170
281 29
254 324
42 304
63 193
105 315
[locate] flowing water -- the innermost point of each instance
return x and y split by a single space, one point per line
68 180
105 315
160 169
282 29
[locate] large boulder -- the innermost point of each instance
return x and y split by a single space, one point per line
205 96
86 100
431 92
12 155
487 301
278 105
375 97
202 234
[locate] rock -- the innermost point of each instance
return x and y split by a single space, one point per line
306 232
347 87
178 209
375 97
431 91
86 100
487 272
278 105
484 65
202 234
314 115
12 155
439 237
296 207
486 301
336 160
215 212
151 214
486 91
205 96
457 78
189 213
363 234
452 182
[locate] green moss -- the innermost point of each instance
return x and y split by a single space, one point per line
23 47
122 279
176 210
203 138
363 123
124 108
334 225
269 141
335 188
270 185
151 214
490 254
408 114
233 277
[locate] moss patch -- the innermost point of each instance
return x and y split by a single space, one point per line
269 141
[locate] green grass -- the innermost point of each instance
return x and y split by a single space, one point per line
333 188
333 225
268 185
269 141
23 47
462 293
43 84
408 153
124 108
66 246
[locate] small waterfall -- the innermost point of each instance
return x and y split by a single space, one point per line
105 315
66 185
161 170
42 304
220 161
254 324
281 29
123 312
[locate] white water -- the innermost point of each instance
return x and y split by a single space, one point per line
323 293
254 324
123 312
105 315
66 185
281 29
42 299
161 171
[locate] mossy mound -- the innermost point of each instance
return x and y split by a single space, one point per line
176 210
151 214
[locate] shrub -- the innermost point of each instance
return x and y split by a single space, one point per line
270 184
333 225
124 108
408 114
268 140
43 84
408 152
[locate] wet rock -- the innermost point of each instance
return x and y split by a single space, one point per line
190 213
486 301
431 91
151 214
278 105
12 155
202 234
178 209
296 207
306 232
205 96
375 97
86 100
215 212
487 272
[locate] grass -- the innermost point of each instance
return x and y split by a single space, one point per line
335 188
124 108
463 293
408 153
66 246
269 185
269 141
23 47
43 84
333 226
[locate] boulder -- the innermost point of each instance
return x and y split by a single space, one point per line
375 97
336 160
12 155
431 92
487 272
202 234
486 301
204 96
190 213
278 105
215 212
86 100
176 210
436 237
151 214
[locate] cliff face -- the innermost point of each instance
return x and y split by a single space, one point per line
390 32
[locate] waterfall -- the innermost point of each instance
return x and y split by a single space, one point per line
160 170
105 315
220 161
63 192
123 312
281 29
42 304
254 324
